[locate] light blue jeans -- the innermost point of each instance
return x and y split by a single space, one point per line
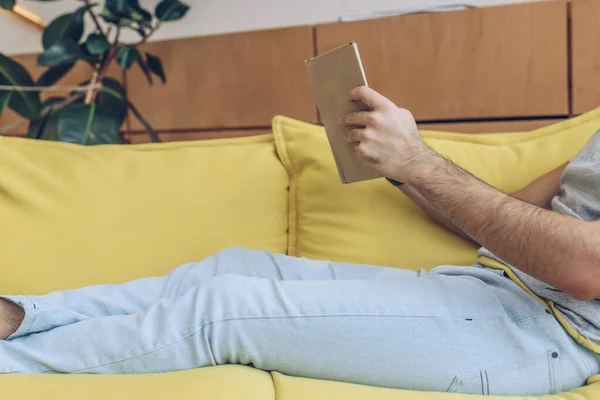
457 329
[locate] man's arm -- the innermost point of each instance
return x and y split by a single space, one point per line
435 214
557 249
538 193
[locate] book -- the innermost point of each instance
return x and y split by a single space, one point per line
333 75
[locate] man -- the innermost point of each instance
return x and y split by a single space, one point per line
469 330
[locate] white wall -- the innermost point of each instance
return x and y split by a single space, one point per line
220 16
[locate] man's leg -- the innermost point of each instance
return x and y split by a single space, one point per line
459 329
11 317
43 313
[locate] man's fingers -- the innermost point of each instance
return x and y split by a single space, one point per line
361 118
354 136
365 153
368 96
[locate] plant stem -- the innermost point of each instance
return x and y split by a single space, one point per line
151 132
100 74
61 105
96 22
90 94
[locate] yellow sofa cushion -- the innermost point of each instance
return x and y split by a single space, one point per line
226 382
374 223
293 388
72 216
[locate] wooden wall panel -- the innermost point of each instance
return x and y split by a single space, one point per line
507 61
227 81
490 127
585 50
78 74
138 137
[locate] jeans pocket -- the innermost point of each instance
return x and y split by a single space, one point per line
533 376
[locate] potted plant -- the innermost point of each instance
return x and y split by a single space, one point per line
92 112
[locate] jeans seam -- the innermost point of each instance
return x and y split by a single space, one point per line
530 317
208 344
582 358
257 318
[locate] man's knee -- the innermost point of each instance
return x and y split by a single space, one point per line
237 252
227 296
226 285
241 261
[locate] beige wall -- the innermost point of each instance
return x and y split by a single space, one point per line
221 16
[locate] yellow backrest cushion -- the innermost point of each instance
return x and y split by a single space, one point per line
72 216
374 223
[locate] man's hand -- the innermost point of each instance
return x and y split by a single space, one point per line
386 138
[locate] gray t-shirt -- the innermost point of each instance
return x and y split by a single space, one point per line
580 198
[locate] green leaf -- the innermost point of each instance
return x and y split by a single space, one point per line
126 13
105 129
145 15
26 104
45 127
91 59
151 132
4 99
126 56
156 66
126 23
127 8
115 102
141 31
66 26
54 74
109 16
75 123
171 10
7 4
88 124
96 44
65 51
145 69
122 7
141 15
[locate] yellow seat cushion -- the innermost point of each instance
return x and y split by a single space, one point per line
72 216
293 388
374 223
226 382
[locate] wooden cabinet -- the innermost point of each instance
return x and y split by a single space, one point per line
227 81
137 138
489 62
490 127
585 53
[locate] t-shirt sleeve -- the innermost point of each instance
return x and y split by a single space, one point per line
580 184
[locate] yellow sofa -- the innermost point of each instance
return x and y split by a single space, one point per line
73 216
